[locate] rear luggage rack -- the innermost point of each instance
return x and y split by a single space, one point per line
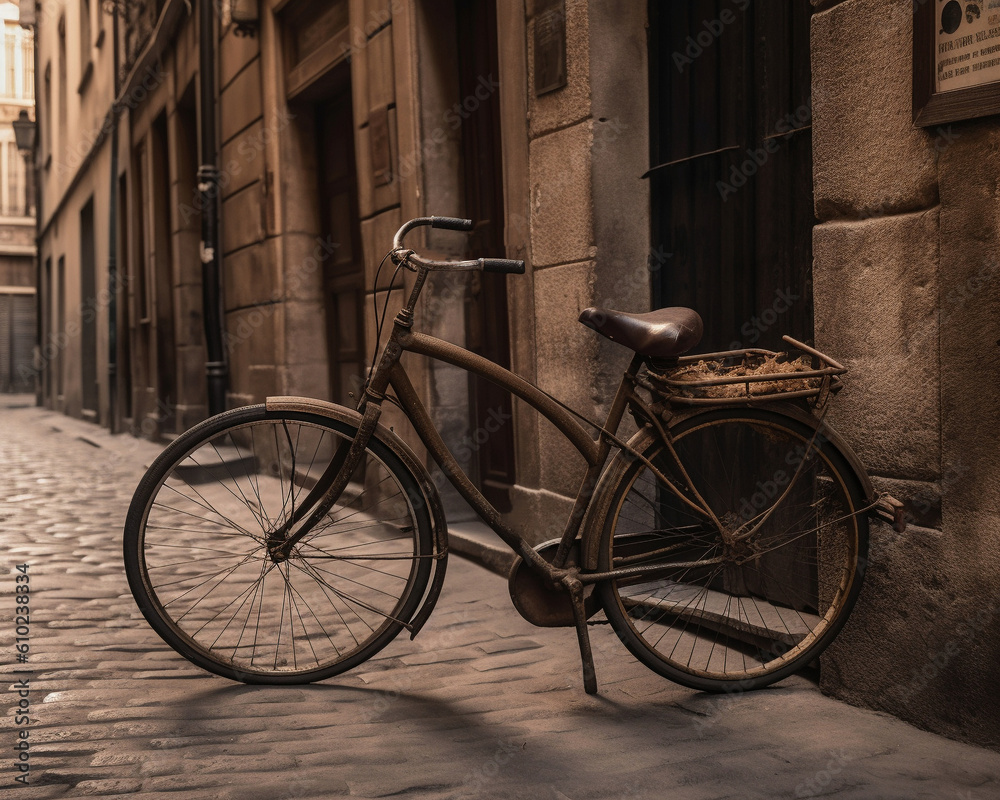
749 376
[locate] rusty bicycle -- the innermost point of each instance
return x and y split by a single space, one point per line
721 526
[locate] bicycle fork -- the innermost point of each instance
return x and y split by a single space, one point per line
337 475
327 490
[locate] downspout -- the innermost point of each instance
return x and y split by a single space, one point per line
36 177
208 184
113 240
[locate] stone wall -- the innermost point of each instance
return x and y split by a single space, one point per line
906 286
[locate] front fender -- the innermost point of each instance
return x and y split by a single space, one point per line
399 448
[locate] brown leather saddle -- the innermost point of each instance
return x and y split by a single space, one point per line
664 333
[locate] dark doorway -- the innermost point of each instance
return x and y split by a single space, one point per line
160 264
60 326
731 149
339 247
487 329
48 333
124 338
88 312
17 339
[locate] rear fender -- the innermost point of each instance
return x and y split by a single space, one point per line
429 493
646 436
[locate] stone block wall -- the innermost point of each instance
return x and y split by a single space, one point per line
562 247
587 231
906 286
250 283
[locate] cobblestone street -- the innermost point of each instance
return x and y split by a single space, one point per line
481 704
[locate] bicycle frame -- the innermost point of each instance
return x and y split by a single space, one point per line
595 453
627 544
390 373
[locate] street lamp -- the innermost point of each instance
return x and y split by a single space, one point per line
245 15
24 136
24 133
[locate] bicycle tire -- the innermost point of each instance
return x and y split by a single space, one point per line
744 610
197 561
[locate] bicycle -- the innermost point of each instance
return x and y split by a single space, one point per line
725 541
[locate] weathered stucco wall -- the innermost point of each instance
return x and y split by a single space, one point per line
907 284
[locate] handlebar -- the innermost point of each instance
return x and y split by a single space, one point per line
452 224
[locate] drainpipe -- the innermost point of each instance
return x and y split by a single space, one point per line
208 184
113 240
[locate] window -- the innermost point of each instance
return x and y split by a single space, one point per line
17 70
45 128
12 173
85 44
62 76
10 61
28 62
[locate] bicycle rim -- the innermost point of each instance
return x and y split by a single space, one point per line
760 600
196 549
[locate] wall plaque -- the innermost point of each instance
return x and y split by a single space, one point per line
381 147
550 45
956 60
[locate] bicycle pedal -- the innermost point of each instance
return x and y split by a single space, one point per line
891 511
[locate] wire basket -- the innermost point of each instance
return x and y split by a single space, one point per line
749 376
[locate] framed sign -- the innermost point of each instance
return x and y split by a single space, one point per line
956 60
550 46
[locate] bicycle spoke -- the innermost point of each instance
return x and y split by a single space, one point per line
202 558
751 598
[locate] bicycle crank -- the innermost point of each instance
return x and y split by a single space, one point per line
540 602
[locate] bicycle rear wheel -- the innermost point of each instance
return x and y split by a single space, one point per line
759 599
197 560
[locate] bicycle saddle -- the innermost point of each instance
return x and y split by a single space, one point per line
664 333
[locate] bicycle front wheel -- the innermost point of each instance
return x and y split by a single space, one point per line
197 548
744 560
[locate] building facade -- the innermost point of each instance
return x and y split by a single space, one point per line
758 162
18 300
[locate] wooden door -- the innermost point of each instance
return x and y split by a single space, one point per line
343 264
732 208
731 182
89 308
160 264
17 339
491 428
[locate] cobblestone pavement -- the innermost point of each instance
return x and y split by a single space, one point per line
480 705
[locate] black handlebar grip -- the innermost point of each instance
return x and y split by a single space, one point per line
502 265
451 223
